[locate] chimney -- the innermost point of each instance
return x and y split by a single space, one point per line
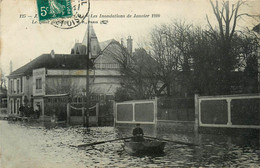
52 54
129 45
122 41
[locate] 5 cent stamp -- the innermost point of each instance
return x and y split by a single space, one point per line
53 9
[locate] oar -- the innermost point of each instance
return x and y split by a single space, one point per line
100 142
178 142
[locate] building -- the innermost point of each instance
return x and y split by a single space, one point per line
50 79
257 30
3 102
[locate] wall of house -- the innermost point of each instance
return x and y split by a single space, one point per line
39 82
106 62
105 79
15 94
65 84
108 59
28 89
74 81
18 97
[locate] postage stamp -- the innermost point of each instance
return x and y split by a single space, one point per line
53 9
80 10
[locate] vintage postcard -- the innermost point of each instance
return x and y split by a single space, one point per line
129 83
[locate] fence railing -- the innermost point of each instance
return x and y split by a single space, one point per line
176 109
140 111
231 111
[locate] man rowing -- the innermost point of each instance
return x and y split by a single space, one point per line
138 134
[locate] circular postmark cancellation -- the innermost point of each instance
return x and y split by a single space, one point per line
63 14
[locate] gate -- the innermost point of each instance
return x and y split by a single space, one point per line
76 114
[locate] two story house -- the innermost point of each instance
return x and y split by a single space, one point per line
52 78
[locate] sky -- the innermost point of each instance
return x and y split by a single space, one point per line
22 41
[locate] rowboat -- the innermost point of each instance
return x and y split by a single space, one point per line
147 146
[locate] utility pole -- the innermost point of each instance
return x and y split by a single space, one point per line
86 122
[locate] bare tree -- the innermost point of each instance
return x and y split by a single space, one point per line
63 85
2 79
227 16
137 77
172 47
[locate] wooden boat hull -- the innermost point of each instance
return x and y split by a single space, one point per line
147 146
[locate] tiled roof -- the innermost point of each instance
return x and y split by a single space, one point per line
257 28
60 61
79 49
104 44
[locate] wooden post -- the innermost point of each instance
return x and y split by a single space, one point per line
133 112
68 113
155 110
155 116
115 111
196 101
97 112
229 111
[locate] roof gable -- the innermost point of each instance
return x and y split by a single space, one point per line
111 50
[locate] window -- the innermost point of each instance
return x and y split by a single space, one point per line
102 97
39 83
79 100
18 86
12 86
15 85
21 85
12 106
17 106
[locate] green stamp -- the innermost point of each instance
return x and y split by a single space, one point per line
53 9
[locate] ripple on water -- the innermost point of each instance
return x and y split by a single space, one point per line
35 142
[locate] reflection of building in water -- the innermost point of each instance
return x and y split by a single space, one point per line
49 79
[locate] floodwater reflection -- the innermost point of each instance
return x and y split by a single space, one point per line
38 145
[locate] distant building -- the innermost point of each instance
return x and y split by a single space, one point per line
3 101
257 30
50 78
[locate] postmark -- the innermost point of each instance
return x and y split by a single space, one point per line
52 9
79 10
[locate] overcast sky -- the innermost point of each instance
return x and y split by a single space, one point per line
22 41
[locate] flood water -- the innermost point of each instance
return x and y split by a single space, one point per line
33 145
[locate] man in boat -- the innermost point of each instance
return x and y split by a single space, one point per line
138 134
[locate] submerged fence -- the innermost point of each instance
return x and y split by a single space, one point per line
176 109
231 111
139 111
